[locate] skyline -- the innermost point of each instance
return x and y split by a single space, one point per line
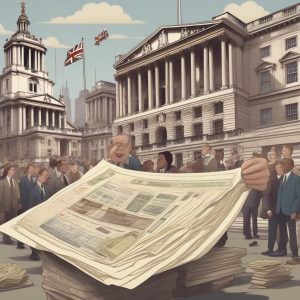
61 26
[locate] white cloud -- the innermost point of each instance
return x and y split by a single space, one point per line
247 11
97 13
3 31
53 42
124 37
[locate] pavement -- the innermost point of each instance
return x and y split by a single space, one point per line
238 291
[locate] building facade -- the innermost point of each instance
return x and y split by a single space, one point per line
80 112
221 82
67 101
33 123
101 112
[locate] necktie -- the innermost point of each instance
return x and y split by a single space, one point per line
65 180
284 179
11 186
42 193
31 180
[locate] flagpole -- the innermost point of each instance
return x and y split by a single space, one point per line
83 64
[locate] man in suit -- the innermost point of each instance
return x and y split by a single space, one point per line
38 194
121 145
287 208
26 184
9 198
164 162
209 162
59 178
234 162
287 152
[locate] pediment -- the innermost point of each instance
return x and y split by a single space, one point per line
47 99
265 65
289 56
165 36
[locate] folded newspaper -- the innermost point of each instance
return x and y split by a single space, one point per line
121 226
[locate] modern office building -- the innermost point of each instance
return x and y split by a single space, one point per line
221 82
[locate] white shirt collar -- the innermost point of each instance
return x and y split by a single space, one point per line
288 174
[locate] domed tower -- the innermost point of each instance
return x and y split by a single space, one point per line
28 109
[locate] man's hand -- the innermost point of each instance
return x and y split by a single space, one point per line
256 173
293 216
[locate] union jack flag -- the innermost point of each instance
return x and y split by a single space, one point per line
74 54
103 35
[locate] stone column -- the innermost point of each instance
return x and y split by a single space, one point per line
24 117
150 89
47 117
31 116
117 100
121 98
65 120
140 92
12 120
105 112
211 69
29 59
157 94
59 120
35 60
20 118
14 55
223 62
39 117
43 62
22 55
230 57
53 118
129 100
167 89
171 81
193 73
205 69
124 99
183 77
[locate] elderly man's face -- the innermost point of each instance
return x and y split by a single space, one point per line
120 149
204 150
286 153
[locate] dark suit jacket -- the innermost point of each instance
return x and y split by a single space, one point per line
237 164
288 198
134 164
212 165
35 197
55 184
25 187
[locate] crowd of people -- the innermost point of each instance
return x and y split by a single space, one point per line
275 184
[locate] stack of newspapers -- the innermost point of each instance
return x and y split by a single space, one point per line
64 281
214 271
122 227
268 273
13 277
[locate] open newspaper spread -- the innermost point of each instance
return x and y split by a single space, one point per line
121 226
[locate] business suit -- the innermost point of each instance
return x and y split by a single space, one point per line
9 202
269 201
26 184
288 203
235 164
133 164
250 209
56 183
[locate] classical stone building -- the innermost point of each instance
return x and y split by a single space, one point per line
101 112
65 92
33 123
80 112
222 81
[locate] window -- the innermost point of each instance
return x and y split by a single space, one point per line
131 126
265 52
266 116
6 84
291 112
145 124
292 72
74 144
291 43
218 126
133 140
197 112
218 107
33 85
177 115
146 140
265 81
178 160
49 142
179 132
198 129
120 129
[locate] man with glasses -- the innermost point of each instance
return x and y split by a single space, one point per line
121 146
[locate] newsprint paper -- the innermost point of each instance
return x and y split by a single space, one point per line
121 226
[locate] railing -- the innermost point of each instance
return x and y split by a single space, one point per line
289 11
265 19
216 136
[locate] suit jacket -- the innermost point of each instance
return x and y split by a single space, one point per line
25 187
35 196
288 198
253 199
55 184
236 164
9 200
210 164
133 164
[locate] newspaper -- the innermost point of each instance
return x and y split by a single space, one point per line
121 226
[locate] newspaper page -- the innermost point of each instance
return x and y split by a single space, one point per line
122 226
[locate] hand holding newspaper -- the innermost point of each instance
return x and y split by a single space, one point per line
121 227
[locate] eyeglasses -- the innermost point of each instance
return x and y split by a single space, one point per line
119 145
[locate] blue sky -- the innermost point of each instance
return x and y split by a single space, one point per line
62 23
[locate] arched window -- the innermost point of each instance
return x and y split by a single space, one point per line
33 85
161 136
